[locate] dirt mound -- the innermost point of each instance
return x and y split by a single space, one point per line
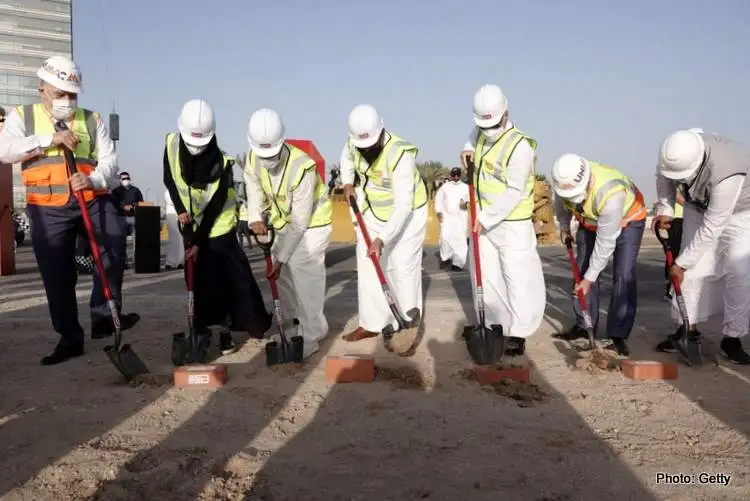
525 393
597 361
403 378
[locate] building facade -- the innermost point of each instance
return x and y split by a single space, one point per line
30 32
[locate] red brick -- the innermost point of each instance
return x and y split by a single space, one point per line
201 376
642 370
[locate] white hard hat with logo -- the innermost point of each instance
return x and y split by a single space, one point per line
196 123
61 73
490 104
681 154
570 175
365 126
266 133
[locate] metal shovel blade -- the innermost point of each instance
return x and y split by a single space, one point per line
406 338
689 347
187 349
293 353
485 346
126 361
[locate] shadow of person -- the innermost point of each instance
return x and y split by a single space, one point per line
442 438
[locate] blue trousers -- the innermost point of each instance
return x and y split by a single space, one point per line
624 301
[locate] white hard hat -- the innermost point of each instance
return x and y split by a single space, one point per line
697 129
681 154
490 104
196 123
61 73
570 175
365 126
266 133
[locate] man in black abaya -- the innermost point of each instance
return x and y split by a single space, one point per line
200 182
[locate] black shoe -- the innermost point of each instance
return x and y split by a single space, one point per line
456 268
572 334
667 346
226 343
620 346
105 328
732 348
295 321
62 353
444 265
515 346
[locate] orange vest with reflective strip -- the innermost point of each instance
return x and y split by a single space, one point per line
46 176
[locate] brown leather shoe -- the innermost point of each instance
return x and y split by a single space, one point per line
359 334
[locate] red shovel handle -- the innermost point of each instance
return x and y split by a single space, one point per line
366 237
473 220
668 254
576 272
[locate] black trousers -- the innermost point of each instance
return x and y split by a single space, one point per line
54 233
675 242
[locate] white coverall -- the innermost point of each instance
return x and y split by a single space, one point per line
175 247
715 254
302 282
454 228
403 240
512 275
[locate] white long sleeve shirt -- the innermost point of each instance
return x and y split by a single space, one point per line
15 144
723 199
608 229
403 191
520 167
301 204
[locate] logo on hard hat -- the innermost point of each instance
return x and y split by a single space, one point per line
364 135
581 172
60 74
266 145
196 134
486 116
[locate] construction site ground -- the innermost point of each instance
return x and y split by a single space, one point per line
423 430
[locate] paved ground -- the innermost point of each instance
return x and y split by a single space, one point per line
422 431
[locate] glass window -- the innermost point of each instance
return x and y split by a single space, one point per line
53 25
19 42
48 5
8 100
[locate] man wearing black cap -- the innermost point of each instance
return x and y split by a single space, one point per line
451 202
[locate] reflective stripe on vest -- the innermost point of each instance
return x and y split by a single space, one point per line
605 182
243 212
377 186
678 211
46 176
196 200
491 175
297 164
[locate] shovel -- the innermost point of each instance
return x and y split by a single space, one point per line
121 355
587 323
189 347
486 346
287 350
407 329
688 342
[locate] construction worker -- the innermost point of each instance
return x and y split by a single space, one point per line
713 267
200 182
300 214
393 201
514 289
29 136
451 204
175 257
611 216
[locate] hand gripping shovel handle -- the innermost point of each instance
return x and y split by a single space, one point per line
70 163
669 256
402 322
470 168
581 297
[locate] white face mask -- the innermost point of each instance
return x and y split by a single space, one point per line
63 109
195 150
493 133
125 183
268 163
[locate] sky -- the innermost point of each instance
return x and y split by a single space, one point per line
606 80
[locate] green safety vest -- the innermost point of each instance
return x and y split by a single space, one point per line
606 181
243 211
377 177
491 174
677 210
227 220
298 164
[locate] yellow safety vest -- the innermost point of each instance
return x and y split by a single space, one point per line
298 164
243 211
377 186
604 183
677 210
491 175
227 220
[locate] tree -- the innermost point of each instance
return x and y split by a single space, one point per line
432 172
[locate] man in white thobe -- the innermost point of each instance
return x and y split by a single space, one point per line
514 289
714 263
175 258
451 204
